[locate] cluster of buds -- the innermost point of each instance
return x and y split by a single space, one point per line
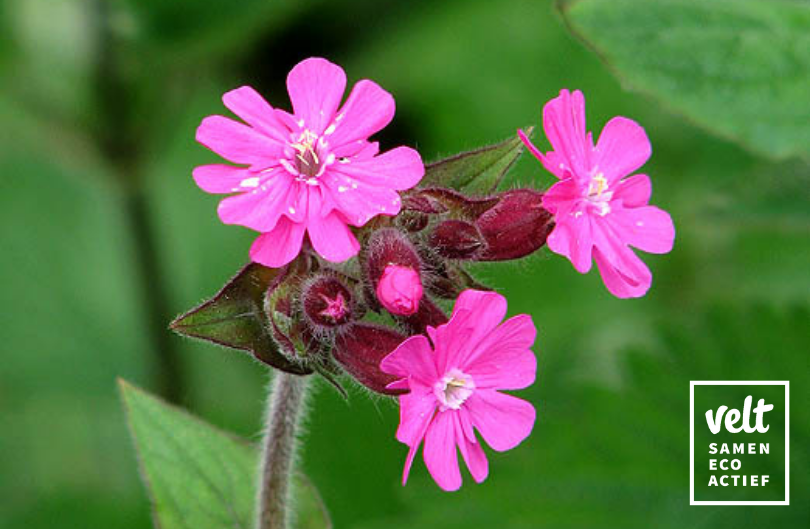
333 318
347 317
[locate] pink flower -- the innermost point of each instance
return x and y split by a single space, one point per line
400 289
311 171
454 387
598 212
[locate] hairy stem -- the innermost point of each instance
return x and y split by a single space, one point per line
284 409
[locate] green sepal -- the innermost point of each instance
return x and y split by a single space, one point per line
479 171
235 318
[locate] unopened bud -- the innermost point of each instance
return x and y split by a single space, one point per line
361 349
517 226
400 289
456 239
327 302
289 333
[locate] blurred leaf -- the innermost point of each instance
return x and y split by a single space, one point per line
235 318
197 476
740 68
480 170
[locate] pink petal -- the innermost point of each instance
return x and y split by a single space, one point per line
358 150
562 197
475 315
414 447
503 359
471 451
647 228
412 358
440 452
220 178
280 246
623 147
261 208
529 145
489 307
503 420
634 191
330 236
358 201
399 169
367 110
572 238
399 384
564 125
454 340
316 87
623 273
246 103
617 283
415 410
238 143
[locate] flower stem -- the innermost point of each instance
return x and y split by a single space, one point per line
284 409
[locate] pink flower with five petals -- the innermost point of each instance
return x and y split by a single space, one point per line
598 212
313 171
454 387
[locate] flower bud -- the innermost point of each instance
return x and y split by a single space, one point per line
400 289
515 227
361 349
327 302
293 339
412 221
456 239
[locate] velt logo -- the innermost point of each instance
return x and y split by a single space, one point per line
739 443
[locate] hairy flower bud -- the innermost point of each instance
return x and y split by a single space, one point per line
361 348
456 239
327 302
515 227
291 335
400 289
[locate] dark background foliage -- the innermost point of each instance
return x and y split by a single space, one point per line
105 238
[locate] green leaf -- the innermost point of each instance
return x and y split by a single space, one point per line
198 476
235 318
480 170
739 68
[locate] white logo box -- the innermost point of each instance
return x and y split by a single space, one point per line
692 385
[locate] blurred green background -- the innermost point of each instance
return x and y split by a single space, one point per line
105 237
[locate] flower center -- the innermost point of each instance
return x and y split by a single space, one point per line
335 308
307 156
598 194
453 389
